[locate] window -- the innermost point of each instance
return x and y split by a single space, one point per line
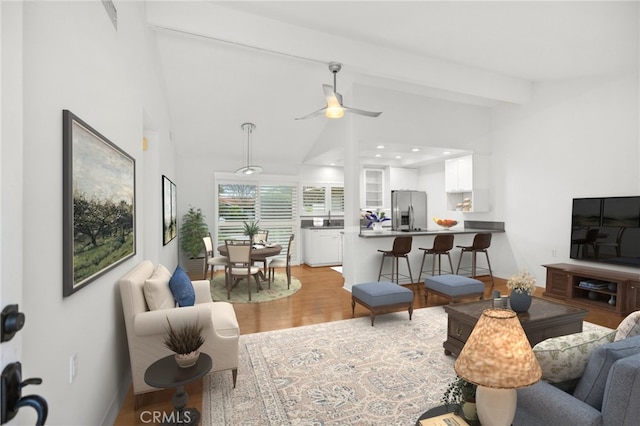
313 199
274 206
315 202
337 199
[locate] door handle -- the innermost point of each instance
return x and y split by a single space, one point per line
12 399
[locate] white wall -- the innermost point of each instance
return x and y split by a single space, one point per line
74 59
574 139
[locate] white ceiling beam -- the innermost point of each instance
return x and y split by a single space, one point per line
214 22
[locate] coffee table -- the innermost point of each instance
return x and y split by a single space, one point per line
165 373
543 320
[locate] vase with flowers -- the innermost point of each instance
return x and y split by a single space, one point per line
522 287
374 220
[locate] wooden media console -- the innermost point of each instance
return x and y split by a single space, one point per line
604 289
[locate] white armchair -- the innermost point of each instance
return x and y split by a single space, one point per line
146 328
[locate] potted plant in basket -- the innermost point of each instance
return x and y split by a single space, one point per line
522 287
251 228
185 341
463 394
192 231
375 219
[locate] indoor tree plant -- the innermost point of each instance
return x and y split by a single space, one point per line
185 341
462 393
192 231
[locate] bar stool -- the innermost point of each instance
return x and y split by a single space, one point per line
442 244
481 243
401 248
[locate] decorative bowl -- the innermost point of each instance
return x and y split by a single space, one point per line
445 223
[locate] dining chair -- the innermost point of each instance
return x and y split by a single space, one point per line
240 265
282 263
261 238
210 259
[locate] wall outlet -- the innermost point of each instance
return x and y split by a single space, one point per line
554 253
73 367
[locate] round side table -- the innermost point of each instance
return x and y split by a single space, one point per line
165 373
440 410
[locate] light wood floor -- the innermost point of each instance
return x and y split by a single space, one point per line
321 299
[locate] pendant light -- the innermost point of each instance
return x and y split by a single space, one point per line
249 169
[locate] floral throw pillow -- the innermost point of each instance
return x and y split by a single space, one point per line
629 327
565 357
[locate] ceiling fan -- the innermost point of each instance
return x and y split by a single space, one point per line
335 108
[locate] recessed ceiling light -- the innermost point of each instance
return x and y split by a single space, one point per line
447 152
380 146
415 149
398 157
332 164
378 155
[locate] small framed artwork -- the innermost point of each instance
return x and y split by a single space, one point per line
98 204
169 211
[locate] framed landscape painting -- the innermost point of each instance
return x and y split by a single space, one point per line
98 204
169 211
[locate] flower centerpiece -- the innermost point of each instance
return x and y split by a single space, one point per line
375 219
522 287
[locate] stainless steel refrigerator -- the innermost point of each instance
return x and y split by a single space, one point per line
408 210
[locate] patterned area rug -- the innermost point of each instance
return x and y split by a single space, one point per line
337 373
239 294
341 373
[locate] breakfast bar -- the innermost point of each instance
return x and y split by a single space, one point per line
361 247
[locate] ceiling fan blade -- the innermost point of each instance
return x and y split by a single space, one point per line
313 114
334 99
362 112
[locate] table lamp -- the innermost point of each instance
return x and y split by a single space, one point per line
498 358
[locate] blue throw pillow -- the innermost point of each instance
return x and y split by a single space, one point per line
181 287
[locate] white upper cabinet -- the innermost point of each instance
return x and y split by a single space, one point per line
458 174
373 188
466 182
401 178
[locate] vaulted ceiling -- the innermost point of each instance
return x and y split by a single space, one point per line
226 63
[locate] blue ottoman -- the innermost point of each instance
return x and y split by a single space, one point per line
453 287
381 296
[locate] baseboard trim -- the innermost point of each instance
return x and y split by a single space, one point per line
117 400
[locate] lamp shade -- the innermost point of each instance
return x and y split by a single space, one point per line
498 354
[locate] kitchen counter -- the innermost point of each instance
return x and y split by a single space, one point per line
362 257
323 227
365 233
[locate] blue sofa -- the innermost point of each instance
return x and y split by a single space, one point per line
608 393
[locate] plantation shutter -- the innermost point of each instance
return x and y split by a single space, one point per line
337 199
313 200
274 206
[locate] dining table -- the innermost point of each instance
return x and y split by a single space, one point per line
259 253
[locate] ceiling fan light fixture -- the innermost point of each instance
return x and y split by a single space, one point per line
335 107
334 112
249 169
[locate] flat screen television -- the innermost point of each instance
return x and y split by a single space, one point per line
607 230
